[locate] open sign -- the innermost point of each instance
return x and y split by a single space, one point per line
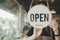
42 17
39 16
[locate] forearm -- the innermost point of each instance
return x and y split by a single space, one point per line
29 38
57 38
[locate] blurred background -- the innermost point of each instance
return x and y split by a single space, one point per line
13 16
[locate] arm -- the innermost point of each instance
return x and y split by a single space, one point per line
54 25
36 33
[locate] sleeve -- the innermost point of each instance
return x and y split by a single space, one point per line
30 32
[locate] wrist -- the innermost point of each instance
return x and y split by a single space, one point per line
34 36
56 32
55 29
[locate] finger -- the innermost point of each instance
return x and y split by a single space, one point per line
54 24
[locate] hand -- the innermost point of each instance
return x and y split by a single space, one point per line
37 32
54 24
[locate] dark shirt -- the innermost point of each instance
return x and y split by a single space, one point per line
47 31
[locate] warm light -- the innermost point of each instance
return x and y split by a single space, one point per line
40 0
53 11
52 0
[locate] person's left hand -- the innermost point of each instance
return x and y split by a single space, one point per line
54 24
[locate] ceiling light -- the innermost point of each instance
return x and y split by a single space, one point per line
53 11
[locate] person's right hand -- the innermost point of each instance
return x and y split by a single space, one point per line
37 32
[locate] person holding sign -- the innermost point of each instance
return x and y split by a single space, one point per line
50 31
40 18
